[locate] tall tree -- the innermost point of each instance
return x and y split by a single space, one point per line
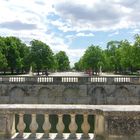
63 63
113 56
136 52
26 60
13 54
41 56
92 58
125 52
3 60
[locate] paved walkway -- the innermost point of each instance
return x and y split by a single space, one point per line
68 74
82 74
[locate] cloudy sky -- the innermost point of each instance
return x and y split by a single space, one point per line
70 25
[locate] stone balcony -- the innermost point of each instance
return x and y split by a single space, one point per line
111 122
69 79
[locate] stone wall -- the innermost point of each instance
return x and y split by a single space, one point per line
70 93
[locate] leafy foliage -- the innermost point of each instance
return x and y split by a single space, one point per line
62 61
118 57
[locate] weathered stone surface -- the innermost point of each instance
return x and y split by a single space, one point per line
123 126
74 93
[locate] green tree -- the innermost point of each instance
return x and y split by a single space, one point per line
92 58
13 54
26 59
125 51
78 65
136 52
112 56
62 59
41 56
3 60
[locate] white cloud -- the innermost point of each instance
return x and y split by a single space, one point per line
27 19
87 15
114 33
61 25
135 31
85 34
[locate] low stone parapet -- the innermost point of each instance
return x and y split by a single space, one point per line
111 122
70 79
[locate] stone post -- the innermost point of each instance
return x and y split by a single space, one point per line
7 125
57 79
83 79
3 125
110 80
99 132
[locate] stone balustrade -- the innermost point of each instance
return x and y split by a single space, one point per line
70 79
112 122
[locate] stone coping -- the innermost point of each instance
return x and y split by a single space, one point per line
66 109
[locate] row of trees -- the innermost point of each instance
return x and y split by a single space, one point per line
16 56
119 57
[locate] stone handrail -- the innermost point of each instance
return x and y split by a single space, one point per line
108 120
69 79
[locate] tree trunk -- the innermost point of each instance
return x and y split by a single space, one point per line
38 71
131 69
22 71
12 70
4 71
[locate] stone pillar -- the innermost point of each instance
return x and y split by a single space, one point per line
99 132
7 125
110 80
122 126
3 125
57 79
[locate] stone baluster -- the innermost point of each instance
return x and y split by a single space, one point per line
46 125
33 126
60 126
21 125
73 126
85 126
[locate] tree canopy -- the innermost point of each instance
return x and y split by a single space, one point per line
92 58
62 61
41 56
118 56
